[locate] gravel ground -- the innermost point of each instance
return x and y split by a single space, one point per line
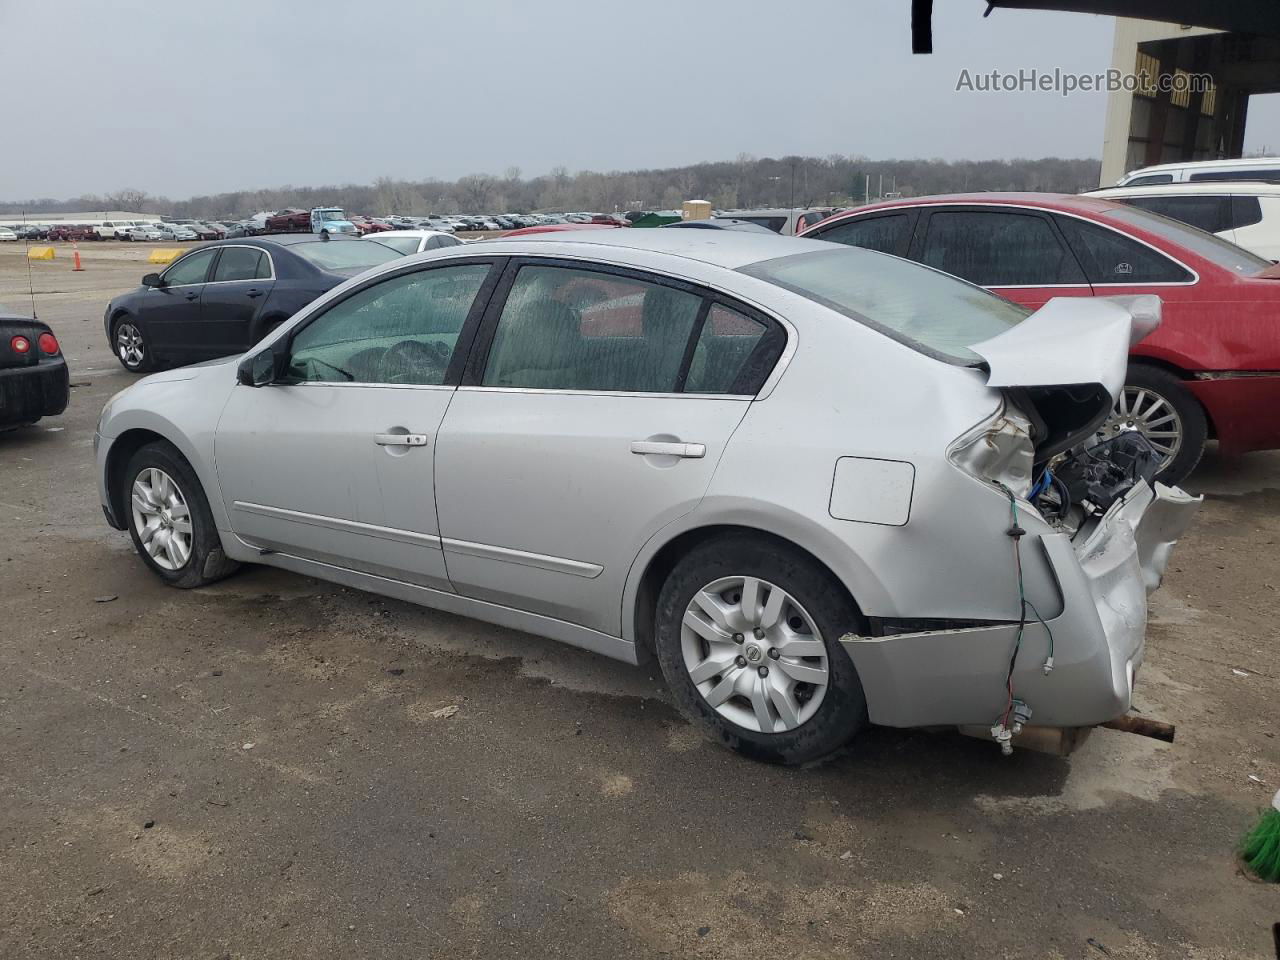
261 768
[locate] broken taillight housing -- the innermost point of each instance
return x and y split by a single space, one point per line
999 450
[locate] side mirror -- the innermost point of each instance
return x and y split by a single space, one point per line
152 280
258 369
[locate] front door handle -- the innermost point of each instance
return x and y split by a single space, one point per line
693 451
400 439
192 296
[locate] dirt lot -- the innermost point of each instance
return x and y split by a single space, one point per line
256 769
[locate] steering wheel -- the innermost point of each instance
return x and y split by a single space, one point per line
412 361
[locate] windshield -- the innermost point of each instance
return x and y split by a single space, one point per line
344 255
330 215
924 308
1214 249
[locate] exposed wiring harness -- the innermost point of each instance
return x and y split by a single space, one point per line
1013 707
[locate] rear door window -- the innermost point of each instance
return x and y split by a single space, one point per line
240 263
998 248
569 329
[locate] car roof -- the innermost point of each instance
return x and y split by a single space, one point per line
1208 165
1066 202
1208 187
731 249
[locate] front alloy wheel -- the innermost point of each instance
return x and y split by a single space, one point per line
163 505
162 519
754 654
130 347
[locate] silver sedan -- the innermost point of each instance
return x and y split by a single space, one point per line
820 485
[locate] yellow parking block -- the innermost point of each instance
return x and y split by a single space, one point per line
40 253
165 255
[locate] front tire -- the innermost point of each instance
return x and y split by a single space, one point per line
1157 405
169 519
747 635
130 346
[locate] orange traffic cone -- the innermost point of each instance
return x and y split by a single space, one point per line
75 254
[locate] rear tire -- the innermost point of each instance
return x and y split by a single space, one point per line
169 519
747 635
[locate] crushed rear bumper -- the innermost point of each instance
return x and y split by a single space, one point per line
1103 574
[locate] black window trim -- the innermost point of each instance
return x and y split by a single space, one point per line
921 234
767 356
283 348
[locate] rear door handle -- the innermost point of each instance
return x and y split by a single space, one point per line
400 439
693 451
253 293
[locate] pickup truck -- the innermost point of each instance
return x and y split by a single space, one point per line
321 220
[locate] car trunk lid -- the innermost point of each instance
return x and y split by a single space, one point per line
1065 364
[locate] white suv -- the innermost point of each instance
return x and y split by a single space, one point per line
1253 168
1247 214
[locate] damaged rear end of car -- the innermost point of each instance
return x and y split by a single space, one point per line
1088 534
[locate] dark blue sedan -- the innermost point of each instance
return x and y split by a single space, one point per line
221 298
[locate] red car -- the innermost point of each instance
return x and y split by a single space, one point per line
73 231
559 227
1212 368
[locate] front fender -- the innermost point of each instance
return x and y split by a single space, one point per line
192 400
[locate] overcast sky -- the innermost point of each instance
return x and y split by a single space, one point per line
186 98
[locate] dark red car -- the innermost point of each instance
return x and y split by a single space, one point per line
73 231
559 228
1212 369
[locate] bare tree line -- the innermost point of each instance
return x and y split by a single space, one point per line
747 181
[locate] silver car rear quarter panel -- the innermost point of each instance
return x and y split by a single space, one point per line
957 677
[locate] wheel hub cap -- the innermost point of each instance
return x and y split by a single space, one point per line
773 682
129 344
161 518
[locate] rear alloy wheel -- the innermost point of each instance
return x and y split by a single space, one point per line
131 348
747 634
1157 405
169 519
